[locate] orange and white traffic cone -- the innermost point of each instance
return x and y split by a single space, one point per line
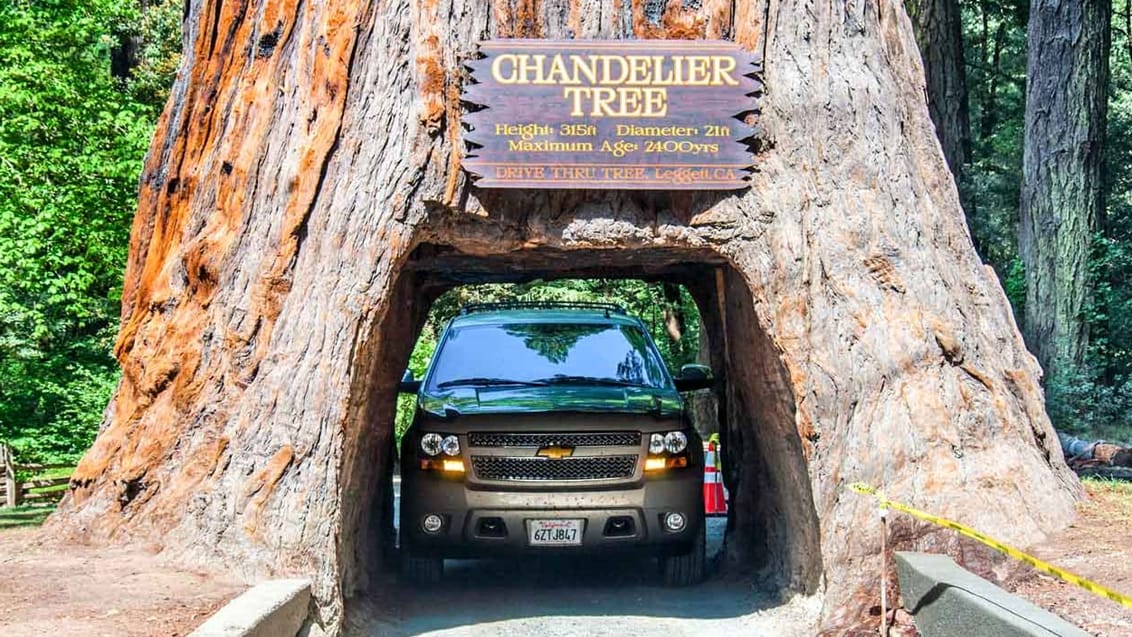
714 501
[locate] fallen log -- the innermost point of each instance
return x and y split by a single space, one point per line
1079 451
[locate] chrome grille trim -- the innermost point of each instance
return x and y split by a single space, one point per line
596 439
584 468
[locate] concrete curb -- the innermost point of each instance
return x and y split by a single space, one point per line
946 600
276 608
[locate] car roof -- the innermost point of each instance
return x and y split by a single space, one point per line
528 315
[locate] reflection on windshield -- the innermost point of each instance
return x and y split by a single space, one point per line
547 353
553 341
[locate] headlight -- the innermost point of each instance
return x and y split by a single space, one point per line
450 446
430 444
675 441
656 443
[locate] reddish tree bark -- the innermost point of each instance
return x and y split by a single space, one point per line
303 201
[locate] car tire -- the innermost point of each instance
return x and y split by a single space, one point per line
422 571
686 569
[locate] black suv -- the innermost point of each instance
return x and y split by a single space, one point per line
546 428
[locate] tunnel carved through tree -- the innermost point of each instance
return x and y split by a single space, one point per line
296 207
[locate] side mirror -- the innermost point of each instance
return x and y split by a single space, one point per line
408 384
693 377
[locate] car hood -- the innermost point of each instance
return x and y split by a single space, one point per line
585 398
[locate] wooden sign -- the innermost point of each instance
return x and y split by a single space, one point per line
613 114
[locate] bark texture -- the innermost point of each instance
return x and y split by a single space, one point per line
938 26
302 206
1066 105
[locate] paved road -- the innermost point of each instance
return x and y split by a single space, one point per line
576 598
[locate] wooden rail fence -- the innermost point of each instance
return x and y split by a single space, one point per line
14 492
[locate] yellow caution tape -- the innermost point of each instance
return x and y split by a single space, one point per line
967 531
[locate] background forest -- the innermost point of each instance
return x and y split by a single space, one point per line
83 82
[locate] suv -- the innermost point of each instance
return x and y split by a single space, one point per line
551 428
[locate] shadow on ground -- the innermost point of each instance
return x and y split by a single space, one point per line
23 516
548 597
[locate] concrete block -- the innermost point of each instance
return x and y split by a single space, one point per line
275 608
947 600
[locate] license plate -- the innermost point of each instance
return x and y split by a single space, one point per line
554 532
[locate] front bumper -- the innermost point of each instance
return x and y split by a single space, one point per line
472 516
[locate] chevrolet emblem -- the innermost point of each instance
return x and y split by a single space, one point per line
555 453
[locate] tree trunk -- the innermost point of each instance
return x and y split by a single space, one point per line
302 206
992 66
675 323
938 26
1066 105
704 405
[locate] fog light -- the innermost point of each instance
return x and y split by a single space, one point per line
674 521
450 446
675 441
430 444
433 522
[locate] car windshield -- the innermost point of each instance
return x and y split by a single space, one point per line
539 354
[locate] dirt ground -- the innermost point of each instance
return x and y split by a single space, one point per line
1098 547
80 591
47 589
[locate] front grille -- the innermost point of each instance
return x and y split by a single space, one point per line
536 469
602 439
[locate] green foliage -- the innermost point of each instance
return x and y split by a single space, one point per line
418 363
1086 404
1110 314
158 28
640 298
1014 284
995 38
71 146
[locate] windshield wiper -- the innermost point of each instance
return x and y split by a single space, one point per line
489 382
588 380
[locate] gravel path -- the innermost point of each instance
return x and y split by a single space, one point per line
574 598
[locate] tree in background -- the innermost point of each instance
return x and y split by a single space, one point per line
1096 400
938 26
1110 335
156 34
994 34
1066 103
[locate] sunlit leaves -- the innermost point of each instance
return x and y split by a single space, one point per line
72 140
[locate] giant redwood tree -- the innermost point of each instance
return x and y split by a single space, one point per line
303 203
